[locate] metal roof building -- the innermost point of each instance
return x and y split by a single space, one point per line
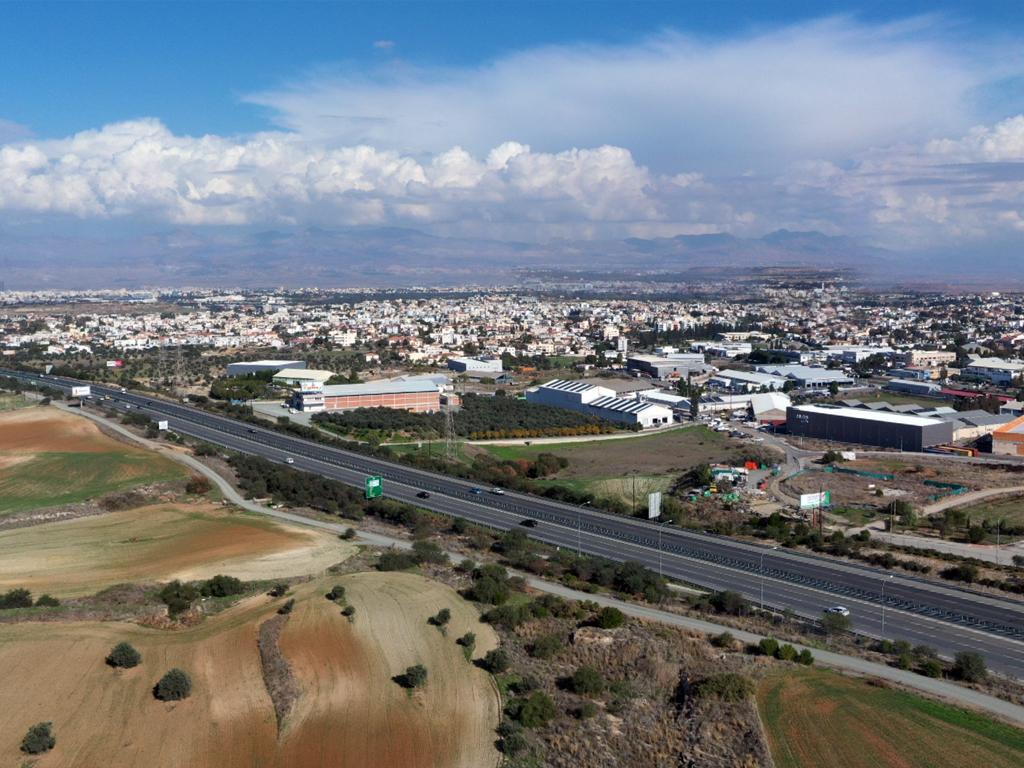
599 401
866 426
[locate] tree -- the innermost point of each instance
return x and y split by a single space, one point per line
428 552
727 686
174 686
178 597
337 593
16 598
496 661
39 739
969 667
833 388
468 643
609 618
348 612
534 712
835 622
729 602
47 601
198 485
441 618
124 656
413 677
221 586
586 681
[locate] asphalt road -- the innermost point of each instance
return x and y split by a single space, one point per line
945 617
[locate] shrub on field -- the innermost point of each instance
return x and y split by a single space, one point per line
413 677
468 643
39 739
287 607
428 552
348 612
724 640
786 652
395 561
178 596
16 598
768 646
124 656
337 593
198 485
47 601
969 667
441 618
511 741
727 686
546 646
931 668
534 712
805 657
221 586
174 686
609 618
586 681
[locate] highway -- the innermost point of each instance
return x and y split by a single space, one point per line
945 617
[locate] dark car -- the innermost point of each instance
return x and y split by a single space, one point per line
529 523
476 490
422 495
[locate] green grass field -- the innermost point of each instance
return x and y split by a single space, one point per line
10 401
819 719
55 478
607 467
1009 509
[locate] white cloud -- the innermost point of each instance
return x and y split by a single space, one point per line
818 90
140 168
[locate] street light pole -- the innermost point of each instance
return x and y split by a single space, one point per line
579 528
883 604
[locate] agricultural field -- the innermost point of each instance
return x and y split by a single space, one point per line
348 712
41 445
818 719
82 556
11 402
606 467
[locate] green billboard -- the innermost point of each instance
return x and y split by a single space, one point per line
374 487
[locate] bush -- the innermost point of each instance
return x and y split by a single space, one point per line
198 485
730 603
174 686
534 712
931 668
278 590
512 740
609 618
468 643
488 589
786 653
587 710
39 739
965 572
835 622
586 681
395 561
428 552
16 598
413 677
348 612
349 534
768 646
285 609
546 646
724 640
507 616
221 586
727 686
47 601
496 661
124 656
969 667
805 657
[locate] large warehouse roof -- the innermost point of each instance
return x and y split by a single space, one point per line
869 415
379 388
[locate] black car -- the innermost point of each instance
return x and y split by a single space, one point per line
422 495
529 523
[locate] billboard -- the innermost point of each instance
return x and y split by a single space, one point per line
80 391
653 505
815 500
374 487
115 363
161 425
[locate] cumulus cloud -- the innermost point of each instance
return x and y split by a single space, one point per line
142 168
825 89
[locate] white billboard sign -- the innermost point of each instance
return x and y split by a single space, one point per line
80 391
161 425
654 505
815 500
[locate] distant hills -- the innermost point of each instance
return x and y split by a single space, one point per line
378 256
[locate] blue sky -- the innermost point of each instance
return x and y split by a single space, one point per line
900 123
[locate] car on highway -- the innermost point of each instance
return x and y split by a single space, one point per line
422 495
529 523
497 491
476 490
838 610
289 460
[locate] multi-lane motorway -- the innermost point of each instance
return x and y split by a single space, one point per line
882 603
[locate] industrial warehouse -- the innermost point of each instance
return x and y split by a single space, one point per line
417 394
864 426
601 402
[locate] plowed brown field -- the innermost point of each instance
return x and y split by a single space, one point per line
349 713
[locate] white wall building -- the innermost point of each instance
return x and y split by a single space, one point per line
601 402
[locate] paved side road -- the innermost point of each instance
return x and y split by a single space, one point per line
940 688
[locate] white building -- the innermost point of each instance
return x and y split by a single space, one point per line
995 369
601 402
302 377
746 381
475 364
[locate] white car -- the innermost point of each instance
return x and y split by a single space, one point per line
497 491
841 610
289 460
